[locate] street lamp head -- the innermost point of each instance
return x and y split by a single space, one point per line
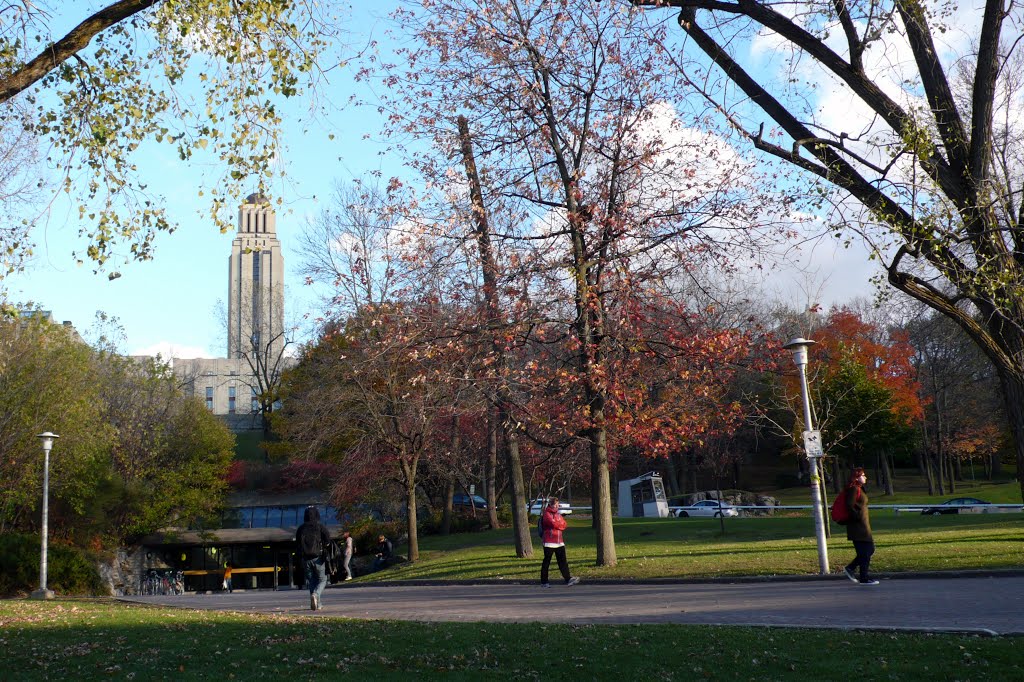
798 347
47 439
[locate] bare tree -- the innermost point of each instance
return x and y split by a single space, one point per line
579 150
926 152
266 353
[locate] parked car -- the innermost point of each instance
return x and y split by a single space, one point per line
707 508
462 501
538 505
954 506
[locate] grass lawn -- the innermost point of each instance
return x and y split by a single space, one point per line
100 639
914 490
695 547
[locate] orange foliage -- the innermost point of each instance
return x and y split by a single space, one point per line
886 356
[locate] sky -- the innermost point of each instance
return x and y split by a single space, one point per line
173 304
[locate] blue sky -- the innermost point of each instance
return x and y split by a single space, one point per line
172 300
170 303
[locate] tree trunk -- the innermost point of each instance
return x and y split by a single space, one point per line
446 518
589 332
940 472
887 473
601 483
410 510
671 480
520 515
691 470
721 516
838 477
500 396
1013 395
923 457
949 474
491 467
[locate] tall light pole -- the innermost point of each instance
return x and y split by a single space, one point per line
812 447
47 439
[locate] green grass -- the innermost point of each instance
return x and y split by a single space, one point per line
87 640
913 490
694 548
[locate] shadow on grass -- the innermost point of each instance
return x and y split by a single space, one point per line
87 641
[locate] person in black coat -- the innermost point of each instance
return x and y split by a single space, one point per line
313 539
858 529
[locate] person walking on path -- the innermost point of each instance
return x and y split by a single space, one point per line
350 549
313 539
553 524
858 528
227 577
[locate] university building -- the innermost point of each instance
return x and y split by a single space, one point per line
256 334
256 534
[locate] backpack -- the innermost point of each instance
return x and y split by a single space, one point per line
332 555
309 540
540 526
841 509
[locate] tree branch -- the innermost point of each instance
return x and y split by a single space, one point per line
74 42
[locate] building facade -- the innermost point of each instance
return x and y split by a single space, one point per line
230 387
256 283
225 385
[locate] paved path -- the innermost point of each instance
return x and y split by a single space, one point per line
993 605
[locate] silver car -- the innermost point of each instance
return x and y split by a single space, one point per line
538 505
707 508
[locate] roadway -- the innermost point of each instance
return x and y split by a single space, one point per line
985 603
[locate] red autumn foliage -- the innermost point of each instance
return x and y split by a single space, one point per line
236 475
887 356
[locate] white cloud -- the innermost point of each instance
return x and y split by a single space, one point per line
823 272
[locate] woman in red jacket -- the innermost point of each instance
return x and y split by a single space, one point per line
554 524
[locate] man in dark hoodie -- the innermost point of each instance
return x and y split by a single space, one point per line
313 539
385 551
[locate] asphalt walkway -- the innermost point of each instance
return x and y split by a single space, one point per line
989 604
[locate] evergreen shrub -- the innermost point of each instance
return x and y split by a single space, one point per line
70 570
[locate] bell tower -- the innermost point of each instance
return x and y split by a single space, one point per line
256 284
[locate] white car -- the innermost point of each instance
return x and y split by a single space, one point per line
538 505
707 508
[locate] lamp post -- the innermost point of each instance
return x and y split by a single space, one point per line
47 439
812 447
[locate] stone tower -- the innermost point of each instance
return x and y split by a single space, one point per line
256 284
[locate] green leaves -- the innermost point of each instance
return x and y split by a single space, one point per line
150 72
134 452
